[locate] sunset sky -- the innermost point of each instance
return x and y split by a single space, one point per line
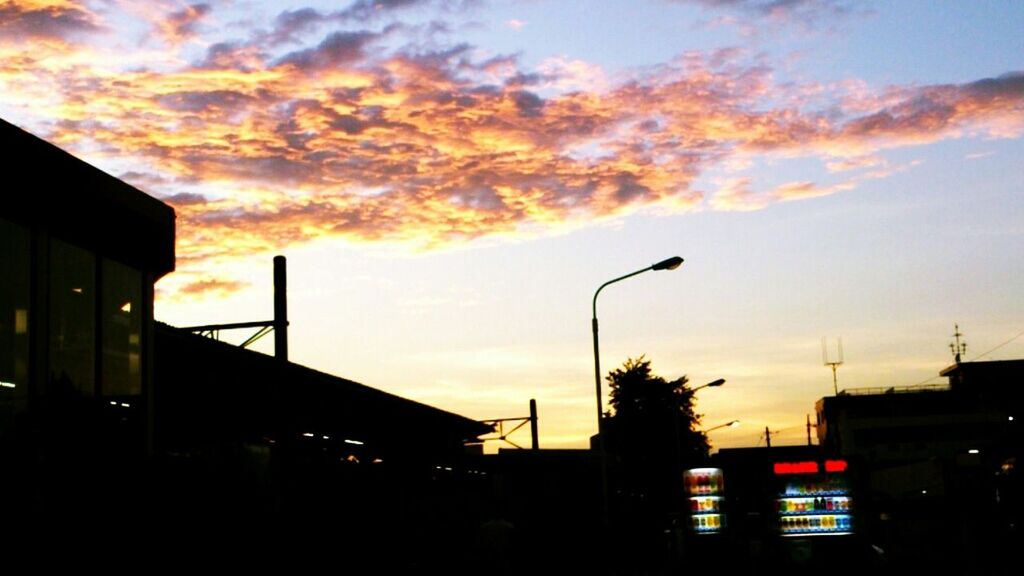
451 180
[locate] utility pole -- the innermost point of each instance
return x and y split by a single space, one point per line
768 436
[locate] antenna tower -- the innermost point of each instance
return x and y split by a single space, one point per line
834 363
959 347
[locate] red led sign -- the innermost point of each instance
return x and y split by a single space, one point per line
835 465
796 467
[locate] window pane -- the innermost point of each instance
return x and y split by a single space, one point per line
14 295
121 330
72 322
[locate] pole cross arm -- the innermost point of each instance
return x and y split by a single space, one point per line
500 424
213 330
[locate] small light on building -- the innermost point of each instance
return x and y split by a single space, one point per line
126 307
77 290
7 384
356 442
125 405
377 461
924 491
1010 418
21 321
327 437
974 451
308 434
112 403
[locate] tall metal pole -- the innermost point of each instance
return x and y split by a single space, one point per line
280 308
533 425
669 264
602 453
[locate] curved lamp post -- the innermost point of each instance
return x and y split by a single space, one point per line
731 424
712 384
669 264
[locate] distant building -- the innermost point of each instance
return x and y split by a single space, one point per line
975 417
941 461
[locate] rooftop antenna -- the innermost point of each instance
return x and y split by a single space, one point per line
959 347
832 362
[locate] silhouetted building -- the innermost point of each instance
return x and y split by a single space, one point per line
79 253
105 413
972 419
941 461
254 434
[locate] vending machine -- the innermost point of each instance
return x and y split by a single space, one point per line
814 498
705 491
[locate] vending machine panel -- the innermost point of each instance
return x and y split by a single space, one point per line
814 498
705 490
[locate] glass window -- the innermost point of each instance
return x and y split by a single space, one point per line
72 322
14 297
121 314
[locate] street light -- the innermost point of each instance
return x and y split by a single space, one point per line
712 384
732 424
669 264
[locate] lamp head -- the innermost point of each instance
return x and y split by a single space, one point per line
670 264
714 383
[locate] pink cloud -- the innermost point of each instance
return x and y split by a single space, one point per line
854 163
433 146
182 25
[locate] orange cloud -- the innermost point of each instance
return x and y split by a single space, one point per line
211 287
46 19
258 149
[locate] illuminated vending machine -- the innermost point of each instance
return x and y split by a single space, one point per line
705 488
814 498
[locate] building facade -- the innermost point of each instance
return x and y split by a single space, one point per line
106 413
79 253
941 462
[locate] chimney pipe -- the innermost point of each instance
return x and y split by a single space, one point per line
534 444
280 308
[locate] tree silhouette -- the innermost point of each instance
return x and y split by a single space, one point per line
652 436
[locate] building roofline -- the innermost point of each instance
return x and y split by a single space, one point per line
75 201
472 426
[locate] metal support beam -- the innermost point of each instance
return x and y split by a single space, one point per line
502 434
279 325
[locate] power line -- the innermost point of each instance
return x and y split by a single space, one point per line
998 347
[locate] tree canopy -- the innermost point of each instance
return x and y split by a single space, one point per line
652 434
646 408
